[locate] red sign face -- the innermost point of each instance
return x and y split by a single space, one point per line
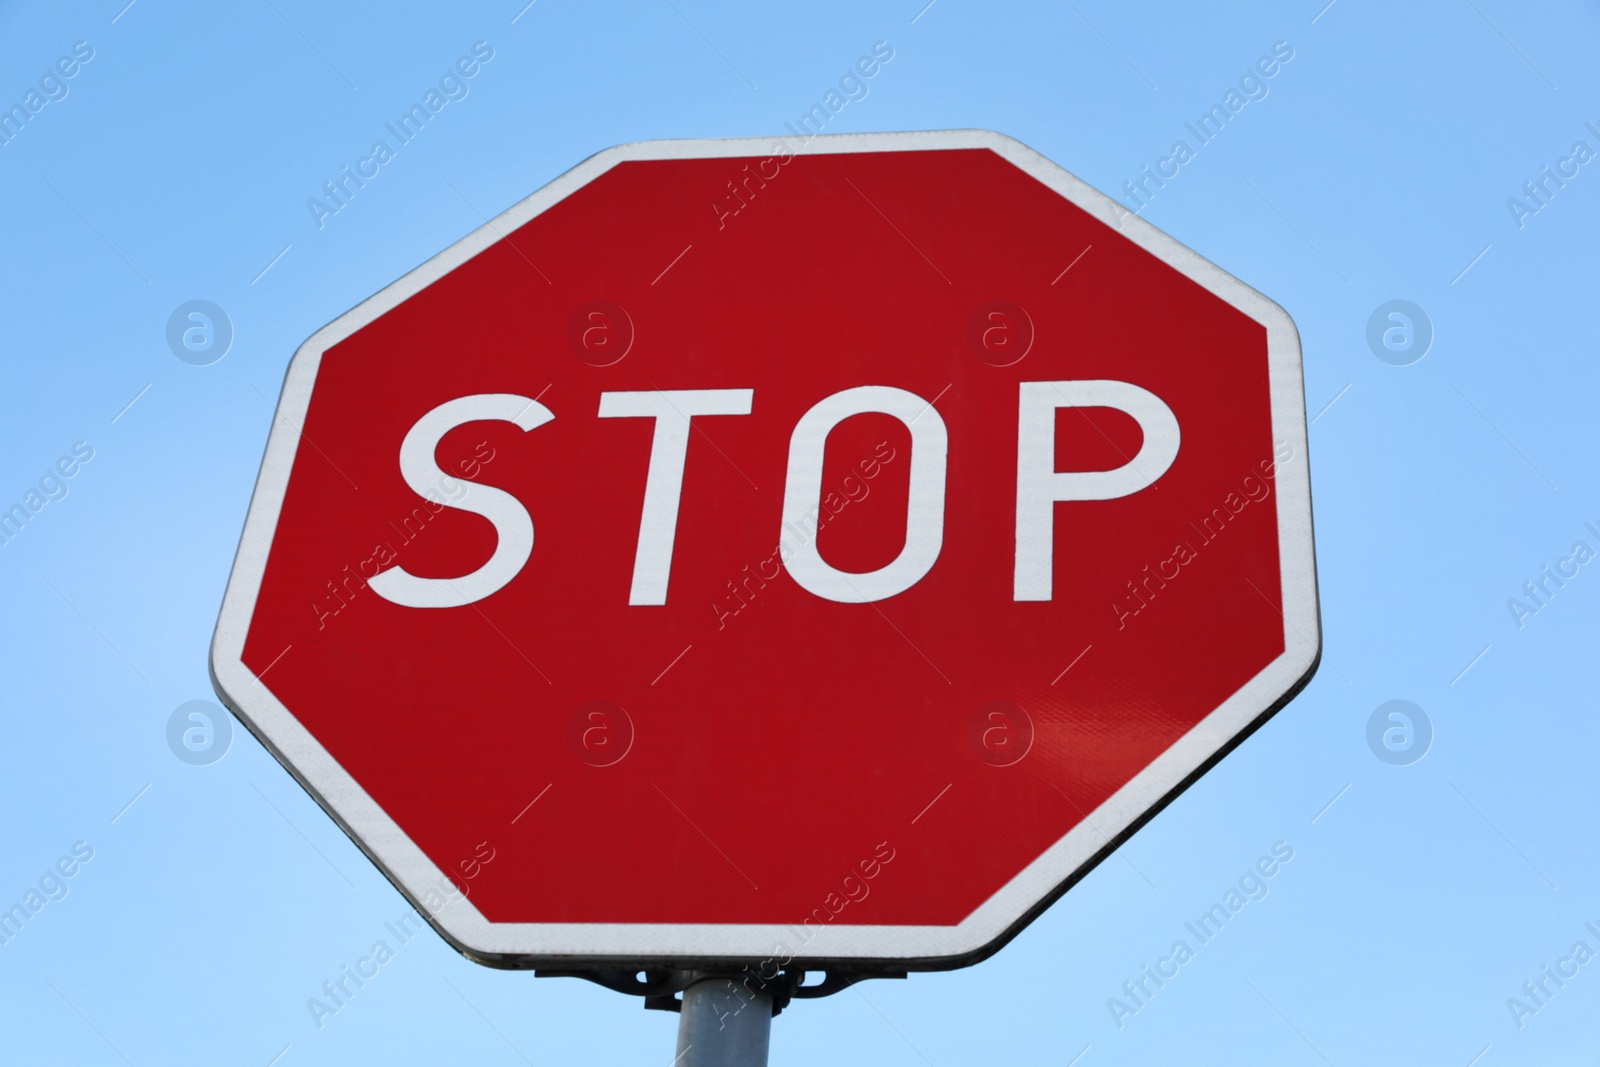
739 548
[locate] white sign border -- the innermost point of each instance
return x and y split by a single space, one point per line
862 947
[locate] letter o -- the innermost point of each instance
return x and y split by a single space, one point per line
925 507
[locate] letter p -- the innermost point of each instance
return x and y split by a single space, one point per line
1040 486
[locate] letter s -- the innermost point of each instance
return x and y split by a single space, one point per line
512 526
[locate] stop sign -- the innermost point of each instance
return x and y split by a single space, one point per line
741 549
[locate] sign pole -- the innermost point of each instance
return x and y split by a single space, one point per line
723 1024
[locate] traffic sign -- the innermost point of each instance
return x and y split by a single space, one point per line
745 550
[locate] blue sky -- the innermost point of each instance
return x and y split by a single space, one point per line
175 165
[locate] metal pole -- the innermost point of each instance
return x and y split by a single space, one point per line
723 1024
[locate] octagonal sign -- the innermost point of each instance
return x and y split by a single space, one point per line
742 549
